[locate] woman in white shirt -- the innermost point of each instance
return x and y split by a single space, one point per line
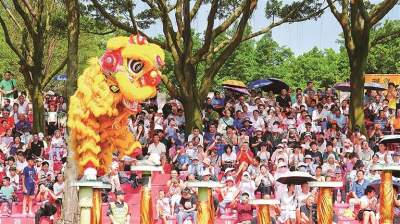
288 206
247 185
228 158
58 187
264 182
57 146
52 119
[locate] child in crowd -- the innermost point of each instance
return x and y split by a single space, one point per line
14 178
9 163
7 193
57 146
58 188
163 207
28 186
21 162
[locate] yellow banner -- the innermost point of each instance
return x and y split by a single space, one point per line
383 78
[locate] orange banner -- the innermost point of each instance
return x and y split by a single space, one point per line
383 78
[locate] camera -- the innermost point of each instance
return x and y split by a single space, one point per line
314 214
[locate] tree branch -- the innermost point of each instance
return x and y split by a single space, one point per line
100 33
208 38
229 21
48 77
28 23
132 17
178 18
10 14
187 31
170 86
113 20
168 29
267 29
384 38
380 10
8 39
343 19
363 10
30 9
195 9
210 73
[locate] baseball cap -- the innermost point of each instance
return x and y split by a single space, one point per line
281 164
307 157
301 164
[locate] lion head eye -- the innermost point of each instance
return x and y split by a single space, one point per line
135 66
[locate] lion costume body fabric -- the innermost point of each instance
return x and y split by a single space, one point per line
109 91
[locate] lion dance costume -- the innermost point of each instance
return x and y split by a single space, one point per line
109 91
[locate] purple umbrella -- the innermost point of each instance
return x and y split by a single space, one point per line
238 90
259 84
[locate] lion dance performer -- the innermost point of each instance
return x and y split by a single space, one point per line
109 91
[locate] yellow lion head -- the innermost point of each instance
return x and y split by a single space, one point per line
133 64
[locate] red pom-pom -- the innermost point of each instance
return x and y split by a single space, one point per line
110 61
152 78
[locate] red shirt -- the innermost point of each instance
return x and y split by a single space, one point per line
245 156
10 122
245 212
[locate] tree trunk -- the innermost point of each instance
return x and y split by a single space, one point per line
192 108
358 64
70 208
38 109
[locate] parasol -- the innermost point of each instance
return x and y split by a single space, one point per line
377 183
234 83
296 177
259 84
276 86
390 139
238 90
343 87
374 86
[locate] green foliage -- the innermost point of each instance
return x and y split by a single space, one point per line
324 67
385 52
293 11
265 59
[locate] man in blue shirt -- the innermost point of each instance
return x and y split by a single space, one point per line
357 189
181 160
339 118
218 102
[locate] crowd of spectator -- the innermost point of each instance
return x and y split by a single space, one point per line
248 142
31 163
